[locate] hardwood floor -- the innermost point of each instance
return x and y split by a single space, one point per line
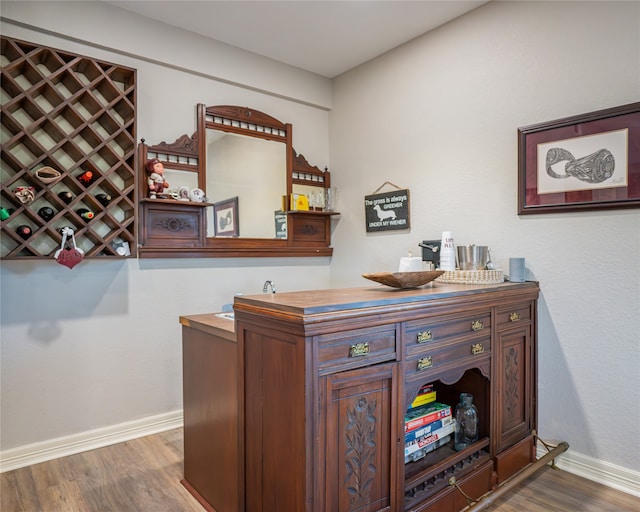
143 475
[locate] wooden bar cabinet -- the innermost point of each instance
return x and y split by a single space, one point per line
311 397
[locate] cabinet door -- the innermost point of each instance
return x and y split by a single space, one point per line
360 439
514 371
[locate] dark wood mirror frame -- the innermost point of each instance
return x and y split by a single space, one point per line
170 228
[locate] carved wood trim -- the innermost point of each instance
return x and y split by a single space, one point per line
245 114
304 172
183 145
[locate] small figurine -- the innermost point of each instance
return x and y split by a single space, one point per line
197 195
183 193
155 180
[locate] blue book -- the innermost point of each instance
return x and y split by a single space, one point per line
427 429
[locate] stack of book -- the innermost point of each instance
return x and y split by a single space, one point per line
428 425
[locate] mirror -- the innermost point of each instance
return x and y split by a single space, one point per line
246 154
252 169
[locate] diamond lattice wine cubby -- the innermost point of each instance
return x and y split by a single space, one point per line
68 152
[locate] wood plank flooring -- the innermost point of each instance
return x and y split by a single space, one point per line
143 475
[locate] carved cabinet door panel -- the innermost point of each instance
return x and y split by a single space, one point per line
514 367
360 439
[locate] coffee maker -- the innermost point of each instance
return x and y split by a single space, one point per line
431 253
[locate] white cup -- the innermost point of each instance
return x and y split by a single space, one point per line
516 270
447 252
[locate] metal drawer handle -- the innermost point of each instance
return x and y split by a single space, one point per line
514 317
477 325
423 336
477 348
424 363
359 349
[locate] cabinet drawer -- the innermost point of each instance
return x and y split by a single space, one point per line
172 225
423 333
512 315
439 357
356 348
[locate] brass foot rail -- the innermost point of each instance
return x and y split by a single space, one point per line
487 499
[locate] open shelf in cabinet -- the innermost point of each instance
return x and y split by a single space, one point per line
73 114
429 475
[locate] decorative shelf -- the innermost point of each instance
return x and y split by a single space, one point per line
73 114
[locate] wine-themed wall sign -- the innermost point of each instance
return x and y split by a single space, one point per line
387 211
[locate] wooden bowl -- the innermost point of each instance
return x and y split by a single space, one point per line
404 279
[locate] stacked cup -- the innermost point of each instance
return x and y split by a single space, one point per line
447 252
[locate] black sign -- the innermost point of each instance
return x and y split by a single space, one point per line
388 211
280 218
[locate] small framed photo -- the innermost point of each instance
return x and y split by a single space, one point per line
580 163
225 217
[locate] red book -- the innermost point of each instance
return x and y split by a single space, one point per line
425 414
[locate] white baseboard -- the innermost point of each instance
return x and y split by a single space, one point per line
616 477
90 440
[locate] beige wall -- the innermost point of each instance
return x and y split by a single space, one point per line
439 116
100 345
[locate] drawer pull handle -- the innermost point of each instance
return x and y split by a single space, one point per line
424 336
424 363
514 317
359 349
477 348
477 325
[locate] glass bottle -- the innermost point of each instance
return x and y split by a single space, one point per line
104 199
85 214
24 231
466 422
86 178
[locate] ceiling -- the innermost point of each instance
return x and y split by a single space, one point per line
327 37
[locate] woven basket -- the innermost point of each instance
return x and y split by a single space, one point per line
472 277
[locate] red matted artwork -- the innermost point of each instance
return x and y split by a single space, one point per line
579 163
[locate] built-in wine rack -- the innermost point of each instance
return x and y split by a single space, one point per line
72 114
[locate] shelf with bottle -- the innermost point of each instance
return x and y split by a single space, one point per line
68 143
429 474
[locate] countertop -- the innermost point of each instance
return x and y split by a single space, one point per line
310 302
211 324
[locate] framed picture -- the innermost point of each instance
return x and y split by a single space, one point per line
585 162
225 217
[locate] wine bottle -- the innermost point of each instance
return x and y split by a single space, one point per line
66 196
85 214
24 231
104 199
46 213
86 178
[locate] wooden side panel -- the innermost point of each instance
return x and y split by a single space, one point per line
360 446
211 464
275 451
513 459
